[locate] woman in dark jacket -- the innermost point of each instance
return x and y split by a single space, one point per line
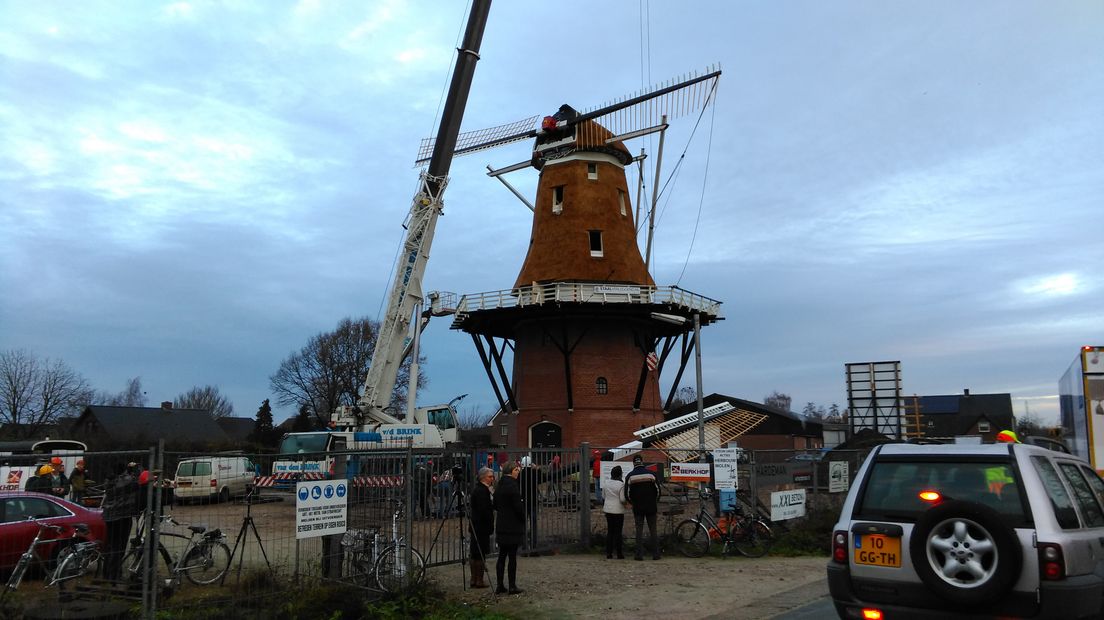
510 525
482 524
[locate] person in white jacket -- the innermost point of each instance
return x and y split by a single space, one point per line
614 508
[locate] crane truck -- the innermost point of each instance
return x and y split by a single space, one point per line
368 425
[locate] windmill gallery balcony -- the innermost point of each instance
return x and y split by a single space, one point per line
477 311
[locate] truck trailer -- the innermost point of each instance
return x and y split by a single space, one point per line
1081 399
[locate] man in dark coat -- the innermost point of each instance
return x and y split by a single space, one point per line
642 490
510 524
120 506
482 525
529 480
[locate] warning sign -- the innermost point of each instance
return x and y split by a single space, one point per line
321 508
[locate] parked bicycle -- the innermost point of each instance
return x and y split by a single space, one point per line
75 557
748 533
204 560
372 554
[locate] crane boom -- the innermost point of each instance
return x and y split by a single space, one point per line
406 288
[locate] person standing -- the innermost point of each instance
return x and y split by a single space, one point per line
59 482
509 525
120 506
444 493
78 481
482 525
596 473
530 480
42 481
642 491
614 509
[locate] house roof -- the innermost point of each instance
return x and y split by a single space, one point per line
238 429
957 414
176 425
778 422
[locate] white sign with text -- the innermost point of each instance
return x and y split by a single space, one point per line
321 508
787 504
724 468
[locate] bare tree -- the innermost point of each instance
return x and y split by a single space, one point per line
778 400
329 370
474 417
206 398
35 393
131 396
684 396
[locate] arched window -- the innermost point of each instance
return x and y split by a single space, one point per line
602 385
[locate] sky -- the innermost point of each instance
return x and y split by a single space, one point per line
190 190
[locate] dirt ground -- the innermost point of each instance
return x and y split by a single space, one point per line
590 586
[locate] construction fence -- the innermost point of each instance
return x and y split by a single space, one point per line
253 528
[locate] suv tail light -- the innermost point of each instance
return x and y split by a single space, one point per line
1052 562
839 547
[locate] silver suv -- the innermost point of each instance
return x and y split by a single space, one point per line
1005 530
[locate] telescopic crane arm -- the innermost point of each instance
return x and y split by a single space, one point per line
406 289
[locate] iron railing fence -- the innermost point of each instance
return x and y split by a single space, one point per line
421 497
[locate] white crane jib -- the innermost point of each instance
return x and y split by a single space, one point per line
406 295
406 289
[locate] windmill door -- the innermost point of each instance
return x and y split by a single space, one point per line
547 435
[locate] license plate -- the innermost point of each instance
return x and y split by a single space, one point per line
184 483
878 550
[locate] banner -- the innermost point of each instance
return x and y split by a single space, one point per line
689 472
787 505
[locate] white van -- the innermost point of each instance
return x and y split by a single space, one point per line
213 477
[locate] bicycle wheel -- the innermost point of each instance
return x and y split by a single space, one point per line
206 563
754 541
691 539
75 561
393 574
132 567
359 568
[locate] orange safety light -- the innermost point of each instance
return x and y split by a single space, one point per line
869 613
930 496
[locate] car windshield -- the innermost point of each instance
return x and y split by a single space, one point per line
893 488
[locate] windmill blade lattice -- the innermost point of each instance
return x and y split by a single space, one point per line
640 110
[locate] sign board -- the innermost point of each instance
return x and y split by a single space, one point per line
321 508
724 464
14 478
775 474
838 477
689 472
606 289
787 505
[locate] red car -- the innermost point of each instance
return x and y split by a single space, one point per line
16 532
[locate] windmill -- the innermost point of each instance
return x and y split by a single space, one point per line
588 328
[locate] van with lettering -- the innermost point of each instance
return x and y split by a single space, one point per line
213 478
1001 530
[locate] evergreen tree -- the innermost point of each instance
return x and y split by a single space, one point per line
262 428
303 422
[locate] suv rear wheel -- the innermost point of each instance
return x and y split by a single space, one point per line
965 553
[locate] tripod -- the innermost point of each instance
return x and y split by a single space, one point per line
247 525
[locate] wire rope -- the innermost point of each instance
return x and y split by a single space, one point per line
701 199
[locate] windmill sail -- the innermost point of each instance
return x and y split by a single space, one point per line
632 112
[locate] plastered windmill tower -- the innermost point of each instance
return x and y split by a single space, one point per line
588 328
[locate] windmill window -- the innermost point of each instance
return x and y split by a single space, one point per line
557 199
592 172
596 243
621 202
601 385
504 430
